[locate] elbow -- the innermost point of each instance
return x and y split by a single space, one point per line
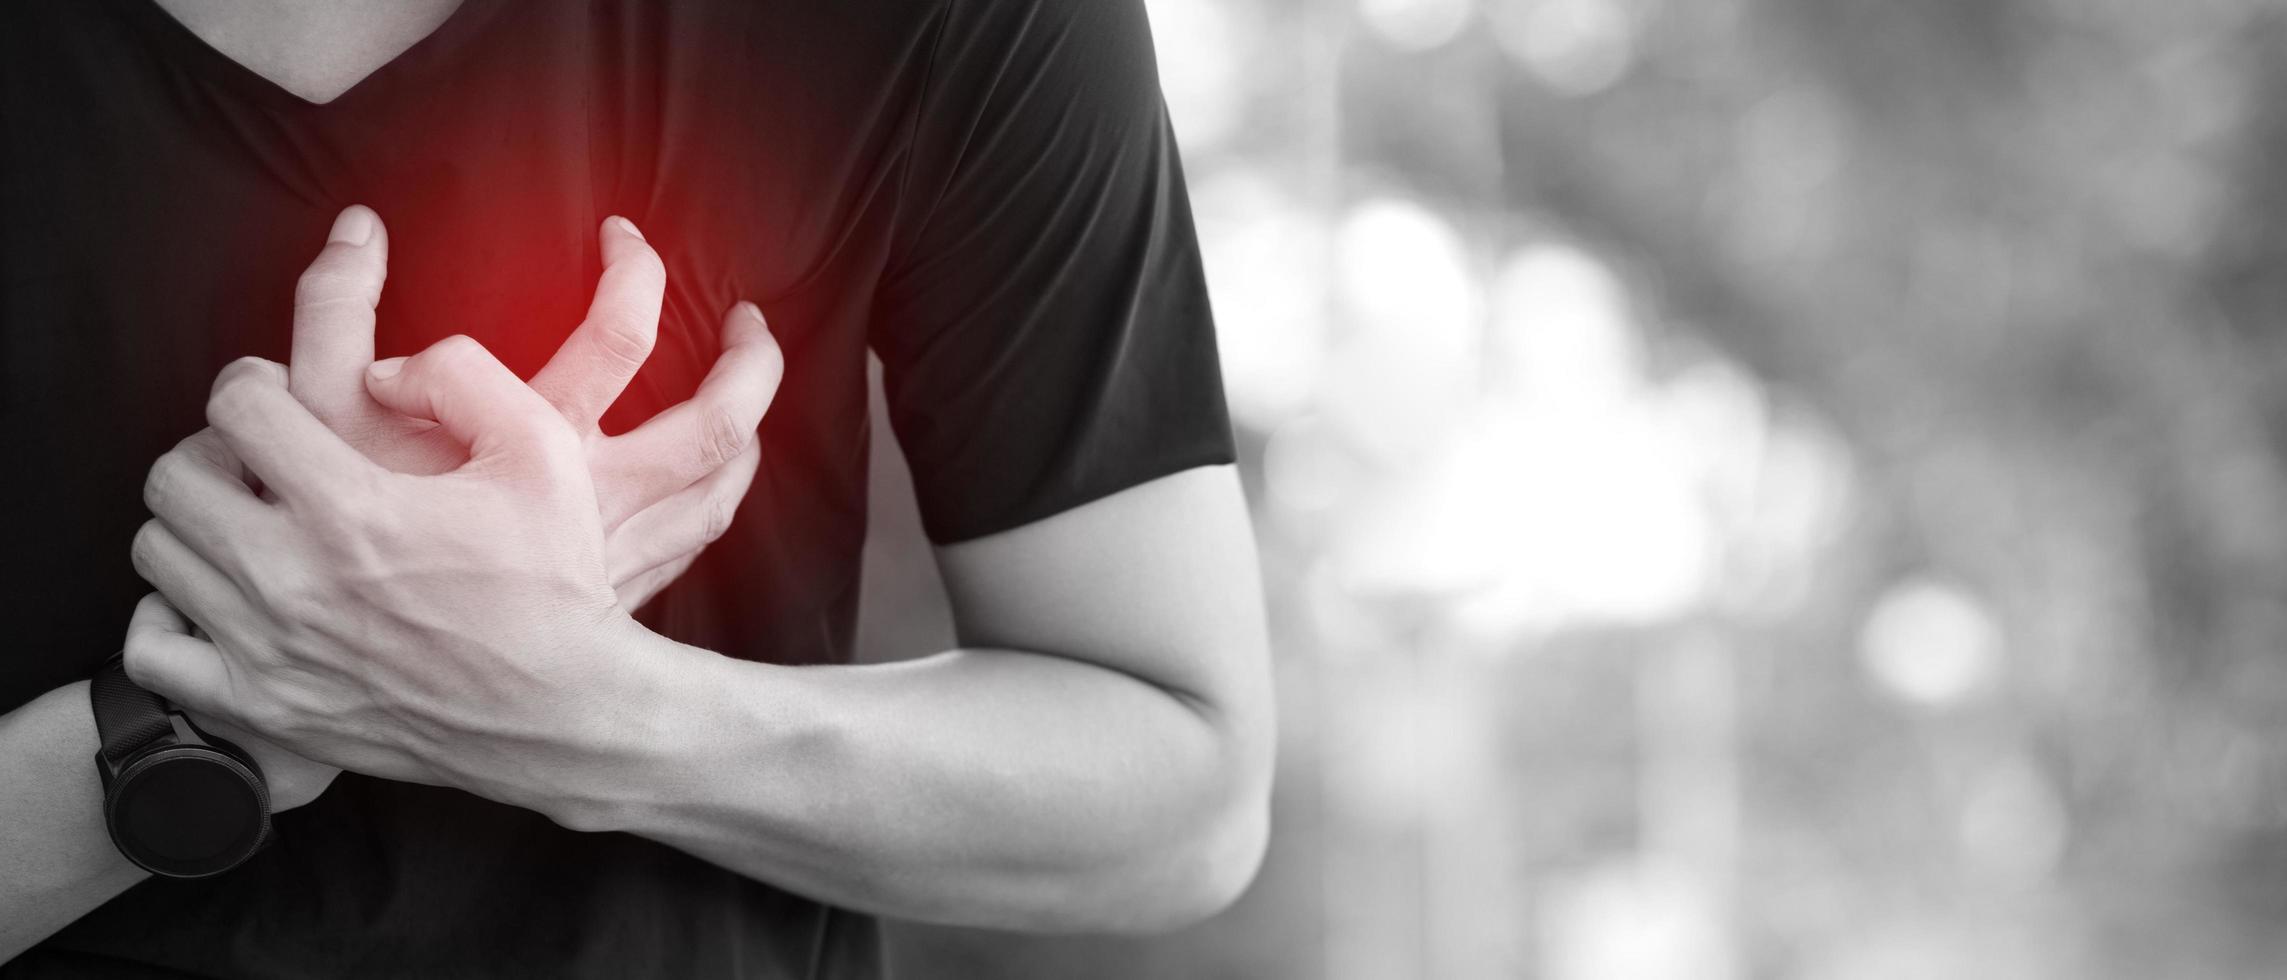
1204 868
1178 884
1216 869
1182 879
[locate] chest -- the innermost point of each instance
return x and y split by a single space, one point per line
154 238
158 198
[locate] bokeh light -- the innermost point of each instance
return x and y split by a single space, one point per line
1266 261
1748 489
1405 367
1574 47
1415 25
1930 643
1199 43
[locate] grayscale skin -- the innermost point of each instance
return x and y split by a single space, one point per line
665 496
467 623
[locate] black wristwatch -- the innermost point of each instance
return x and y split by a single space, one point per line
178 801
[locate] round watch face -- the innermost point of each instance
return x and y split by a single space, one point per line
187 811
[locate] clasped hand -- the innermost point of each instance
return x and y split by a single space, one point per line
421 568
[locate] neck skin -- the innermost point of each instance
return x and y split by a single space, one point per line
317 51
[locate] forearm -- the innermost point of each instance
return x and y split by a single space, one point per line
58 863
976 787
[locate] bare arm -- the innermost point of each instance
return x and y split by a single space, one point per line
1096 756
58 863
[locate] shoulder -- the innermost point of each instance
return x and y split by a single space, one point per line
1083 26
1047 51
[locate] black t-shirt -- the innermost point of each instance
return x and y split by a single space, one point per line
985 192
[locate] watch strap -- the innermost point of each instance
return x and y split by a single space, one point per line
127 717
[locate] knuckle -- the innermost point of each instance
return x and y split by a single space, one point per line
143 551
263 584
225 403
294 599
161 484
773 355
324 283
452 364
208 449
648 268
722 436
625 339
234 394
337 274
249 368
457 350
263 369
720 512
358 512
772 368
336 528
270 715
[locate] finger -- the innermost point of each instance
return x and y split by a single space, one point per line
199 490
594 365
333 316
684 523
154 613
686 442
161 656
289 449
197 589
478 400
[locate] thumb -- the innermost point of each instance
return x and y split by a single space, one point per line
333 316
478 400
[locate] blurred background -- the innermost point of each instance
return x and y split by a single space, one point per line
1747 488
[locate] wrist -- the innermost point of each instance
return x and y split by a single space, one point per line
615 731
715 728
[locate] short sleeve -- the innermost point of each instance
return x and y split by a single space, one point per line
1043 324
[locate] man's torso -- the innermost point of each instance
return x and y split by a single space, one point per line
156 202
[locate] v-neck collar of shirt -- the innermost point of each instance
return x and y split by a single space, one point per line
196 54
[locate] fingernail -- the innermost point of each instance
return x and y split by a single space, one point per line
753 312
628 226
384 369
354 226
